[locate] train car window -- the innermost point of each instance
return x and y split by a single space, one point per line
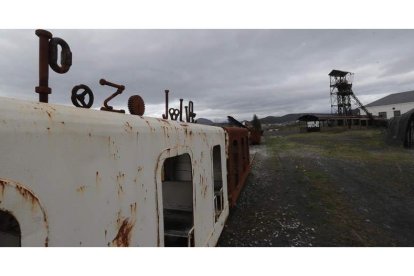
218 182
10 235
177 194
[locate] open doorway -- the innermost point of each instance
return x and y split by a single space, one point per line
10 235
177 196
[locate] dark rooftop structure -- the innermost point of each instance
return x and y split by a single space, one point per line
402 97
326 117
338 73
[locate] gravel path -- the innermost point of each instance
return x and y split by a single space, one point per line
297 195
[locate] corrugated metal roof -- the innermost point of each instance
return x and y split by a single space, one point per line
402 97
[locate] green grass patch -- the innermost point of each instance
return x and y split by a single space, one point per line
360 145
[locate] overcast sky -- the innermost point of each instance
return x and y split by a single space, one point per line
224 72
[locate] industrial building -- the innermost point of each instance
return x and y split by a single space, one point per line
393 105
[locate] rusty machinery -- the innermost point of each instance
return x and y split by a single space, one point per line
78 96
177 113
238 161
48 56
254 134
120 89
82 96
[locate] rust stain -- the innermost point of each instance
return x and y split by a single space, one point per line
149 125
127 127
120 178
2 184
139 170
203 185
123 238
133 208
118 220
98 179
204 191
81 189
165 131
27 195
163 121
30 197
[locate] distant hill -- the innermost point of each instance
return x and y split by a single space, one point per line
266 120
204 121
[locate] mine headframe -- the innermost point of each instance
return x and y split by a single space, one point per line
340 83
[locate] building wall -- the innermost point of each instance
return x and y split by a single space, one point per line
389 109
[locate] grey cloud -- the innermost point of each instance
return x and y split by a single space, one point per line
225 72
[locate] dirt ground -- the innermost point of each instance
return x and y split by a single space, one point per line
341 188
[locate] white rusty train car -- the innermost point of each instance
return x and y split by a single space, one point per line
81 177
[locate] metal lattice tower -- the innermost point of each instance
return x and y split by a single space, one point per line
341 92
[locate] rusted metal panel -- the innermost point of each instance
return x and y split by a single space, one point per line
94 176
255 136
238 161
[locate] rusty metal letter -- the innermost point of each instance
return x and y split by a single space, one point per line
43 89
181 110
165 116
66 55
120 89
191 113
